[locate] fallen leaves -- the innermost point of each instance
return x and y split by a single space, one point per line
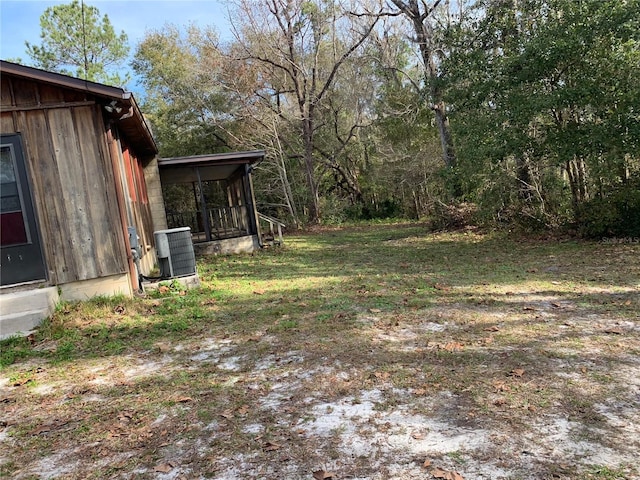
500 386
382 375
438 472
446 474
614 331
39 430
271 447
323 475
453 346
164 467
18 382
228 414
24 378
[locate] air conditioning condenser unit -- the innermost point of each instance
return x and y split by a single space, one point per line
174 249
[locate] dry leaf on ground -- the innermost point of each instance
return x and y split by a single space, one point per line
270 447
453 346
244 409
163 468
446 474
614 331
323 475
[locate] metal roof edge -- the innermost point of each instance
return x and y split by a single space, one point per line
34 73
98 89
254 155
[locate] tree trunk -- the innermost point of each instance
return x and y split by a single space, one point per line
309 164
448 153
424 38
284 178
576 173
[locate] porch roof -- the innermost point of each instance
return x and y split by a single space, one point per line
218 166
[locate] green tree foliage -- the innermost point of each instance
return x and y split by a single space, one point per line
300 50
544 96
405 155
422 17
191 111
76 41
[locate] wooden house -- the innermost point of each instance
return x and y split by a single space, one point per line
79 168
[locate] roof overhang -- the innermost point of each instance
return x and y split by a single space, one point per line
120 105
219 166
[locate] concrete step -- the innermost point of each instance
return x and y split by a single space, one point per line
22 311
25 300
21 324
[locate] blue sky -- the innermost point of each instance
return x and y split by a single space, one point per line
20 19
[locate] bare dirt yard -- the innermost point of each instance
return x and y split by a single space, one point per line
377 352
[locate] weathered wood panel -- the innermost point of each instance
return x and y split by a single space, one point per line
74 96
73 183
25 93
6 123
6 100
136 195
117 247
46 185
50 94
98 183
73 193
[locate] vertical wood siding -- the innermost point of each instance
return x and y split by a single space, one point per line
71 178
134 182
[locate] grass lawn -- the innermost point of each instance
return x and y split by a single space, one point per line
371 352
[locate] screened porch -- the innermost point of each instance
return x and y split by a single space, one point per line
211 194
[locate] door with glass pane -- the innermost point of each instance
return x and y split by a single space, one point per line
21 259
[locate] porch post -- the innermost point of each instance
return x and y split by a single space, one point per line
251 201
203 206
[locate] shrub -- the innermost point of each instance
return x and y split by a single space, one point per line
614 215
453 216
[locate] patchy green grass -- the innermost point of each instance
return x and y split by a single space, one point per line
377 351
